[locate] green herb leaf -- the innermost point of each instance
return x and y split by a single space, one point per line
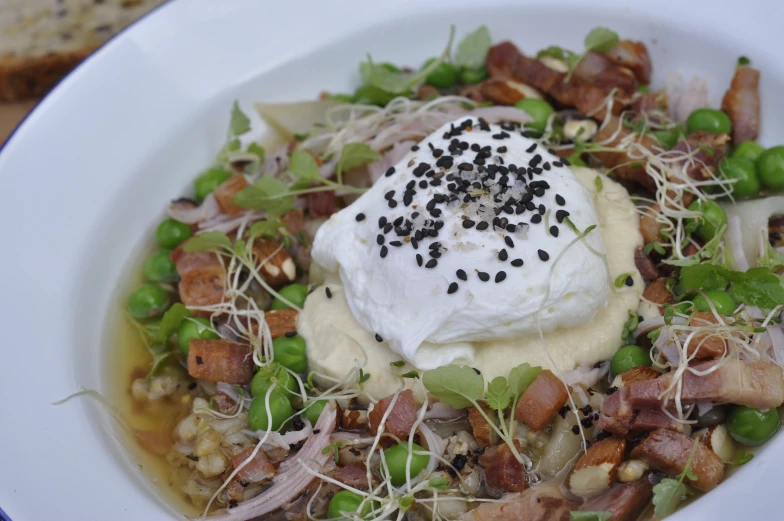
458 386
267 194
303 167
170 322
439 483
741 458
653 246
472 50
207 241
598 183
240 123
267 229
620 281
590 516
353 155
705 277
363 376
521 377
399 363
410 374
601 39
653 336
497 395
743 61
667 495
757 287
257 150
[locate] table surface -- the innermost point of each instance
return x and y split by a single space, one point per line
11 114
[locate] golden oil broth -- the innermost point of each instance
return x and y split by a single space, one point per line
128 353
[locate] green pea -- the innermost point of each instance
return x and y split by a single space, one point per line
443 77
712 220
294 293
279 411
148 301
748 150
744 172
160 268
171 233
752 426
395 458
262 380
207 182
538 109
670 137
194 328
290 352
313 411
372 95
472 76
771 168
722 300
348 502
709 120
629 357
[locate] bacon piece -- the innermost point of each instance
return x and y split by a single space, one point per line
225 192
626 502
657 292
352 474
427 92
294 221
503 473
202 279
622 165
483 432
669 451
645 266
402 418
281 321
224 403
633 56
647 420
653 105
639 374
742 103
649 227
257 470
321 204
503 91
616 414
502 60
541 401
705 345
220 361
544 502
278 268
709 149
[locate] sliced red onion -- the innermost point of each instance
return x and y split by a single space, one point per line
207 210
777 341
435 444
441 411
671 353
704 408
226 224
694 97
228 390
293 482
586 376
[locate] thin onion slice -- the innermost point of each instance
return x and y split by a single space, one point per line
207 210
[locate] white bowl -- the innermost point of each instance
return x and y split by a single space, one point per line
90 170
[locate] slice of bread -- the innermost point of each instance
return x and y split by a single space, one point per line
42 40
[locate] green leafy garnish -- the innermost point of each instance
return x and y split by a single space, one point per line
207 241
601 39
497 395
741 457
668 493
627 335
757 287
458 386
267 229
363 377
590 516
653 246
399 363
257 150
743 61
239 123
620 281
268 194
303 167
521 377
353 155
439 483
597 181
410 374
170 322
335 449
472 50
653 336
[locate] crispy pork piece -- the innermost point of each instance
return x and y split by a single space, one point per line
742 103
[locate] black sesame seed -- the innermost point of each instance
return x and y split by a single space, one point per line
560 200
554 231
392 203
290 334
432 263
575 429
452 288
517 263
360 217
388 227
414 148
419 259
382 221
423 184
482 226
384 251
509 242
543 255
560 215
502 255
380 239
629 281
511 228
501 150
435 254
500 276
536 218
378 338
390 171
397 244
468 223
328 292
389 195
465 166
484 277
461 275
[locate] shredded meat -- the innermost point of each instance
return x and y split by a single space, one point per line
503 473
225 192
657 292
647 420
352 474
622 165
321 204
708 151
669 451
220 361
483 432
649 227
541 401
257 470
400 420
742 103
645 266
626 502
634 56
202 279
544 502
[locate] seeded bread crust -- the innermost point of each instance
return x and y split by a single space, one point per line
24 78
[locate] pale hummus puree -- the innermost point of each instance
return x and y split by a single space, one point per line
336 342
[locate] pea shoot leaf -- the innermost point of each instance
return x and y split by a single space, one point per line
160 355
458 386
353 155
439 483
239 123
597 181
559 53
207 241
620 281
705 277
521 377
303 167
472 50
267 194
257 150
265 229
741 457
497 395
601 39
743 61
170 322
757 287
590 516
667 495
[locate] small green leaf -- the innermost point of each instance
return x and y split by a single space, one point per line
653 336
620 281
439 483
458 386
667 495
257 150
207 241
363 377
743 61
240 123
302 166
399 363
601 39
472 50
160 355
234 145
497 395
705 277
741 458
170 322
653 246
267 194
267 229
410 374
521 377
597 181
757 287
590 516
353 155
